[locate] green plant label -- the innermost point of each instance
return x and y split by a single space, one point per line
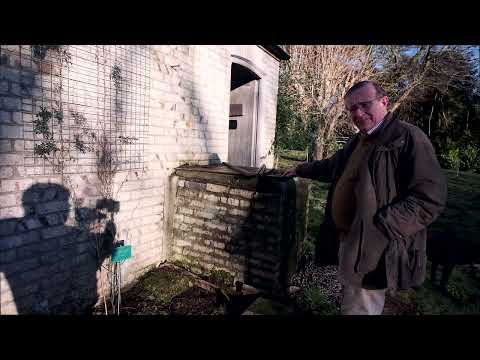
121 253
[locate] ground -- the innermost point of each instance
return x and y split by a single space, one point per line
171 290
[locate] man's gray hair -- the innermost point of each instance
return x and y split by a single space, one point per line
378 89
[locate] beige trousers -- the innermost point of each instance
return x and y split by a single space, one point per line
359 301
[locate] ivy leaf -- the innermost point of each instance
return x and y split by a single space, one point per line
45 148
58 114
80 145
40 124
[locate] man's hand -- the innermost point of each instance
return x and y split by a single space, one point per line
290 172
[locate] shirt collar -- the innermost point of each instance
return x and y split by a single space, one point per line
372 130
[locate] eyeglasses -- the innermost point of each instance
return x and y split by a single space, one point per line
363 105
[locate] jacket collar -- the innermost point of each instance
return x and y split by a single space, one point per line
387 133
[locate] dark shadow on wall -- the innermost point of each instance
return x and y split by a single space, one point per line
49 265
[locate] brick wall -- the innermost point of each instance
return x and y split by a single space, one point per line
187 122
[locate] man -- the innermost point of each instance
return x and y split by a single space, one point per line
386 188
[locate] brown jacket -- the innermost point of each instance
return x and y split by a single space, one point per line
400 191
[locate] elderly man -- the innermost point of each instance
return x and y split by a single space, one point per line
386 188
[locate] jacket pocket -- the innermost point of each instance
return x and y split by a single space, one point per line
418 268
373 243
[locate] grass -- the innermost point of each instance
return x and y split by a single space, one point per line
463 205
288 158
164 285
461 214
463 296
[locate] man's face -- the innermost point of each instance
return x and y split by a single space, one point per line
366 108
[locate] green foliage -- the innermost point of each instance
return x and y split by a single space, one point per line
44 124
48 119
308 248
163 286
291 132
317 303
471 157
462 297
40 52
294 131
221 278
316 207
458 293
452 158
462 154
45 148
40 124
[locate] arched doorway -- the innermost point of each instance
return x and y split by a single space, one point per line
244 94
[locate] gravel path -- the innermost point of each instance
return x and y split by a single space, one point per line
325 278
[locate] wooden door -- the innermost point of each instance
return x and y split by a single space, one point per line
242 123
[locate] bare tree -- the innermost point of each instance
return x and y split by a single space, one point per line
409 73
319 76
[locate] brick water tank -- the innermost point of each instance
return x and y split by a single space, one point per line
251 226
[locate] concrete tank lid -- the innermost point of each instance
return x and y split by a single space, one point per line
222 169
